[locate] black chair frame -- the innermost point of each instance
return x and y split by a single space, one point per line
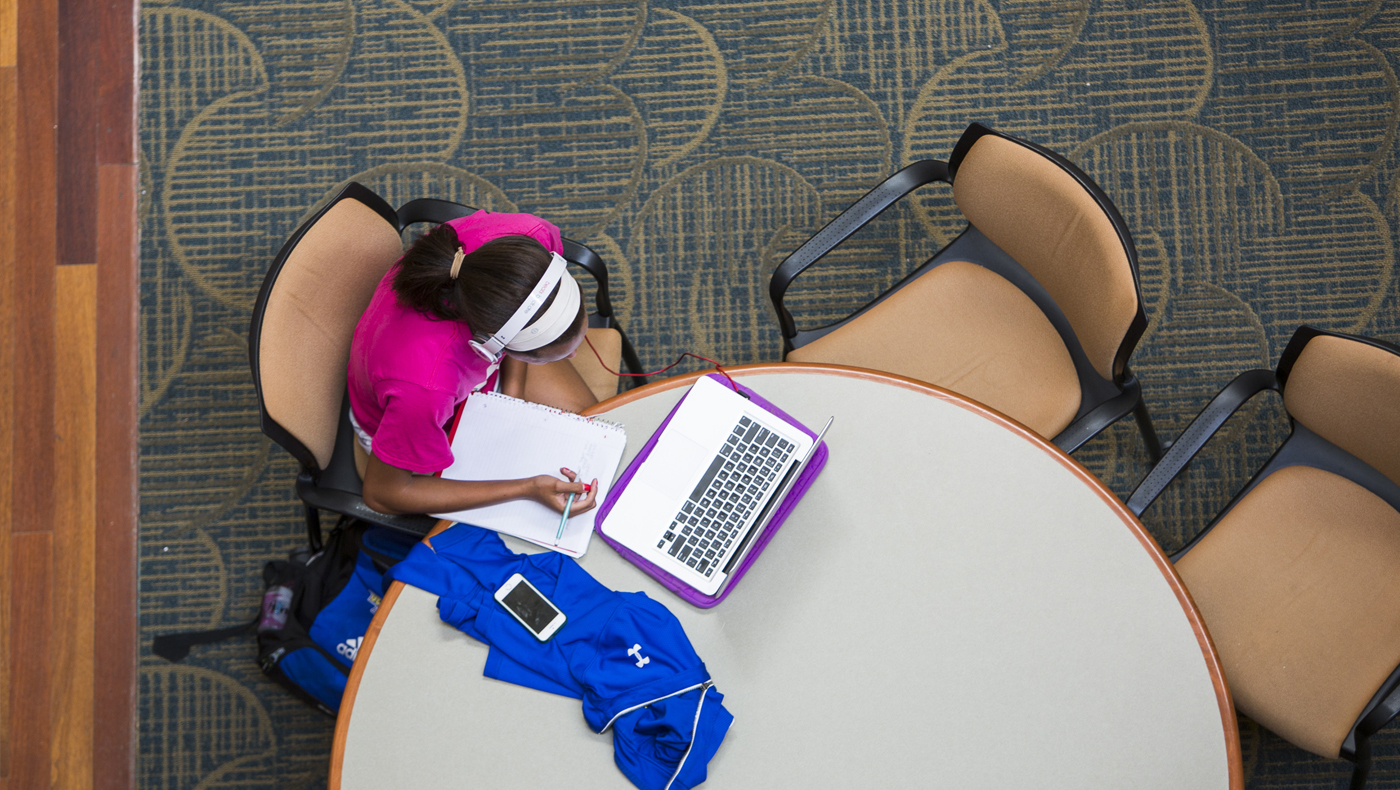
338 487
1302 447
1102 401
436 212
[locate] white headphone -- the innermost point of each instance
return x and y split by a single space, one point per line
515 336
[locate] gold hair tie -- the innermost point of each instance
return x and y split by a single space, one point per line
457 258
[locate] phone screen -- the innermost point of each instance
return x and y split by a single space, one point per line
530 607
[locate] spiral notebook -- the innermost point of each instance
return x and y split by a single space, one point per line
497 437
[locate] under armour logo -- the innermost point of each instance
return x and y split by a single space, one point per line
636 652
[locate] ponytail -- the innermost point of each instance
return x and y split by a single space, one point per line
422 282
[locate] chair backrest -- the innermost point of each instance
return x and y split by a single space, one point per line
317 288
1058 225
1347 390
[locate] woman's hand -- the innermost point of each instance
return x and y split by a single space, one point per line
553 492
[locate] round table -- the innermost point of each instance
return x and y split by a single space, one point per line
954 603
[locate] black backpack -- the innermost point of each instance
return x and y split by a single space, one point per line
316 609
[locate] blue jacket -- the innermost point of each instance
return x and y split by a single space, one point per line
623 654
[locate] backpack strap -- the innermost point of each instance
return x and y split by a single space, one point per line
174 647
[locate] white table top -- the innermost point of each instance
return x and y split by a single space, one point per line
953 603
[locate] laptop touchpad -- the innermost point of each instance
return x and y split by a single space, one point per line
674 465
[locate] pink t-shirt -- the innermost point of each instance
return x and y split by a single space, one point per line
408 371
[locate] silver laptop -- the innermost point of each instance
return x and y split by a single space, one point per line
710 486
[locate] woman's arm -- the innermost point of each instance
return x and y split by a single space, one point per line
389 489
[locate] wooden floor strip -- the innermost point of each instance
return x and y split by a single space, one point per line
8 10
118 376
31 641
31 207
77 131
116 96
75 477
118 283
35 171
7 361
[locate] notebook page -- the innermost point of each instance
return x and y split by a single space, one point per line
502 438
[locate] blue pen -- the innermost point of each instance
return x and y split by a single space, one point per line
568 505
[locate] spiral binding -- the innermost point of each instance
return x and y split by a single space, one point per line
542 407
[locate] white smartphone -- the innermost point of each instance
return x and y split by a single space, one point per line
528 605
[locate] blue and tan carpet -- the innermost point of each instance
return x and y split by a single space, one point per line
693 143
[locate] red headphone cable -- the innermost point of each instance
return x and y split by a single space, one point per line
678 361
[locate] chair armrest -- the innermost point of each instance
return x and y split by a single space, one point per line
1383 707
1227 402
845 225
1105 414
583 255
1380 715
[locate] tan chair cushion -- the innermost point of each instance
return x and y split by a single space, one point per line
323 288
1348 393
1298 587
609 344
967 329
1027 205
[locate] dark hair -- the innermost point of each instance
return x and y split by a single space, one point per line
494 280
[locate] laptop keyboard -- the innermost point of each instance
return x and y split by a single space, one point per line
703 533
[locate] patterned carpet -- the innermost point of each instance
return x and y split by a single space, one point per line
1250 145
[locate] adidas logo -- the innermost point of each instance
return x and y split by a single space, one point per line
350 647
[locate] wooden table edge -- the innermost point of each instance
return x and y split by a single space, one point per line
1229 723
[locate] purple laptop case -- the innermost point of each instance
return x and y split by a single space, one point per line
690 594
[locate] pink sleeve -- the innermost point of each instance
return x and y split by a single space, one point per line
547 233
411 434
483 226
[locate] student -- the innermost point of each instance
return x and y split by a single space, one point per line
435 332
